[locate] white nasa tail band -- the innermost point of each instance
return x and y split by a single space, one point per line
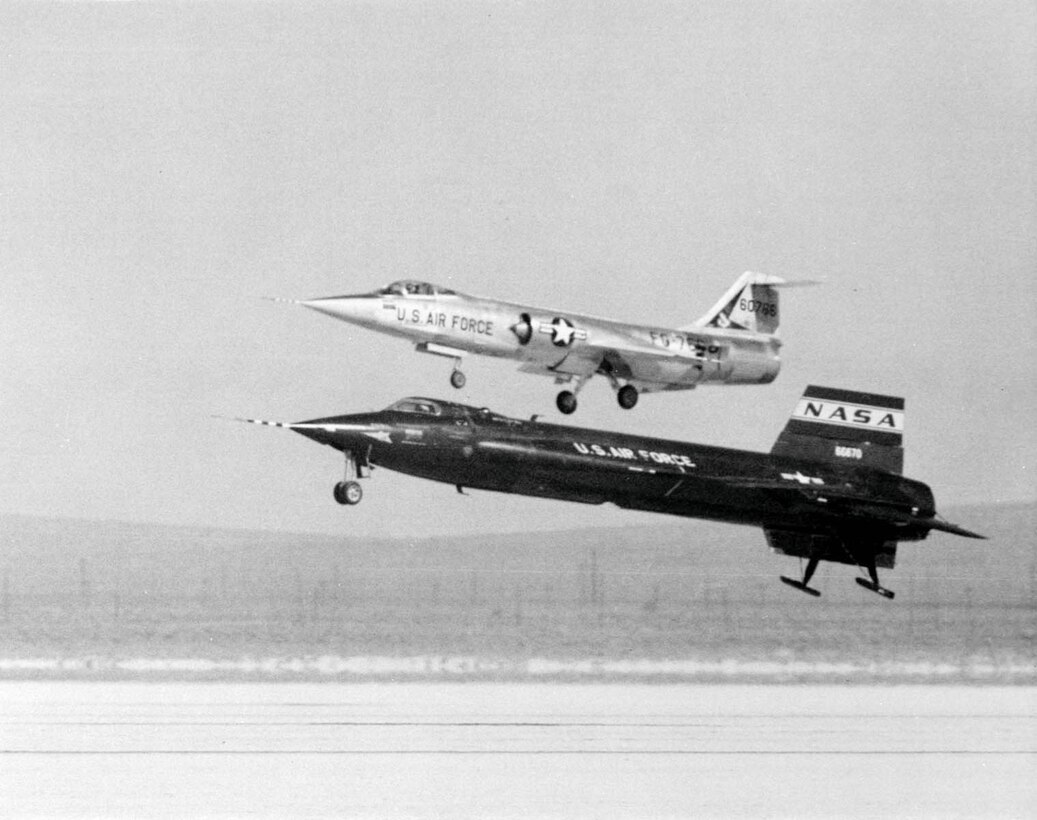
846 414
834 424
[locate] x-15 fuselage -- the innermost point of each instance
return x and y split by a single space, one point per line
829 491
734 343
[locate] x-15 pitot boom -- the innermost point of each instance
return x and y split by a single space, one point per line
829 490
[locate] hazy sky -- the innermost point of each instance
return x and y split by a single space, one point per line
164 167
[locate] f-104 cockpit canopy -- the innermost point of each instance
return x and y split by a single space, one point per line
412 287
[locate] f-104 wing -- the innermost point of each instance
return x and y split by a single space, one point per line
630 372
634 366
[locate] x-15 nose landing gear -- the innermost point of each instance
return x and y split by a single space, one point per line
349 492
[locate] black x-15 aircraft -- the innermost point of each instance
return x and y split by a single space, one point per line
829 490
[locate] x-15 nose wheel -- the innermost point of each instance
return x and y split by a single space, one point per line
348 492
457 379
627 396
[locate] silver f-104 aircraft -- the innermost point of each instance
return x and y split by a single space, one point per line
734 343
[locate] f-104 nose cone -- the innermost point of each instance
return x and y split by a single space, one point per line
361 309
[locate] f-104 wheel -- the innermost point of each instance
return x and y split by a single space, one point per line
566 402
627 396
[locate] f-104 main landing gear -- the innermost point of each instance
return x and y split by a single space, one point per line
349 492
627 396
566 401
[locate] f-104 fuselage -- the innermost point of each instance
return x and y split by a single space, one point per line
735 343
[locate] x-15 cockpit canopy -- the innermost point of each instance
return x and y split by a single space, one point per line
438 408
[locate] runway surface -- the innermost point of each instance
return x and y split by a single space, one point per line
490 750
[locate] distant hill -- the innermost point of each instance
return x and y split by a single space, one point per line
680 589
67 556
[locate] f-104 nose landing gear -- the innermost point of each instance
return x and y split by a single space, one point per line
349 492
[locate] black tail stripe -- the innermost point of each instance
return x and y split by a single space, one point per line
853 397
844 432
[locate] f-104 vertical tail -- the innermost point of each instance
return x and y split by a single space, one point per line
751 304
830 424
